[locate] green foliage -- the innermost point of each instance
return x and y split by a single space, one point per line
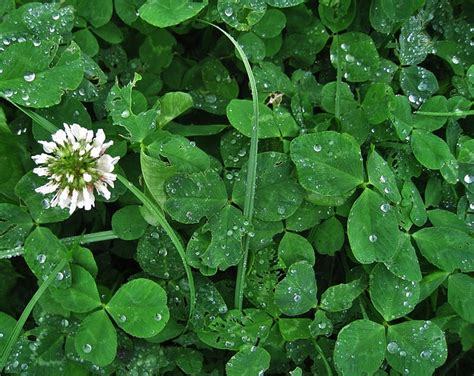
294 193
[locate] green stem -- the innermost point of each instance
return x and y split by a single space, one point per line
446 114
251 172
81 239
153 208
323 357
26 312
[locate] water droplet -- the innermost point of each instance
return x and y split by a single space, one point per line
422 86
65 323
455 60
468 179
41 258
36 42
392 347
210 98
281 210
373 238
29 76
383 179
425 354
385 207
158 317
55 17
122 318
322 325
229 232
8 93
296 298
87 348
60 276
317 148
349 58
125 114
163 252
45 203
229 11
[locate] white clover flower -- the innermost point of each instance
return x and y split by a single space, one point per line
75 163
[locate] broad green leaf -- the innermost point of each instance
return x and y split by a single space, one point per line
15 224
416 347
329 236
155 173
82 296
241 14
283 3
306 216
171 106
340 297
84 257
87 42
432 152
29 77
96 339
431 282
119 105
157 52
355 55
128 223
372 229
183 155
321 325
434 104
304 45
399 10
414 41
294 329
376 102
381 176
296 293
294 248
157 255
50 22
253 46
139 308
195 196
249 361
277 193
360 348
347 102
271 25
447 248
327 163
7 323
401 116
11 155
439 217
227 229
413 202
461 295
404 263
39 205
379 19
97 13
43 252
392 296
165 13
239 112
418 84
190 361
338 15
236 328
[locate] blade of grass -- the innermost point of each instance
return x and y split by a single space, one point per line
337 112
26 313
44 123
251 171
153 208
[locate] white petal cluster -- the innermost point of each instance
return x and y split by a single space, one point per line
75 164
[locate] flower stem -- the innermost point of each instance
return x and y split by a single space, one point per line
446 114
323 357
153 208
81 239
26 312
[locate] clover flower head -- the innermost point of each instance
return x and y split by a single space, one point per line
75 164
